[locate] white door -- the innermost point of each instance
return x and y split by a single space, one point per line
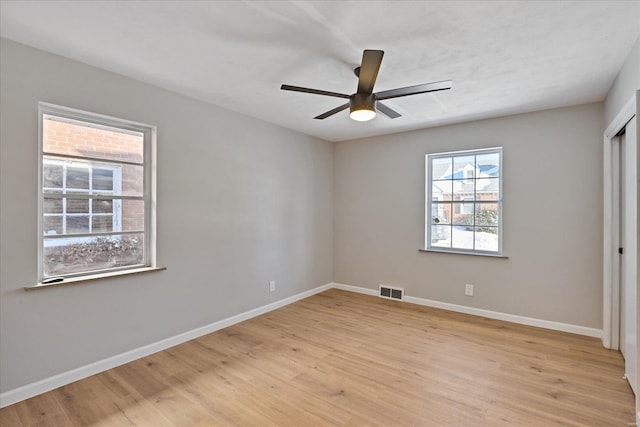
621 243
628 242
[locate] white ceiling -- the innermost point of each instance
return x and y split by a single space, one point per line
503 57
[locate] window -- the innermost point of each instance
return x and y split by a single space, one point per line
95 194
464 201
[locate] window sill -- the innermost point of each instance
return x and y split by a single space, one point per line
76 280
464 253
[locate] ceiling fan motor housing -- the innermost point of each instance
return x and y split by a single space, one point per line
362 101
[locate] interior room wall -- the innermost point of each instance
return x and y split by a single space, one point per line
624 86
552 216
240 202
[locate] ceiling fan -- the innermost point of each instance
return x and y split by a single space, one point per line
364 103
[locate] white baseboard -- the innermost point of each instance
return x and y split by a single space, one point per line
30 390
547 324
356 289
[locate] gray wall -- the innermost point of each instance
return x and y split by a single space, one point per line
240 202
552 216
626 83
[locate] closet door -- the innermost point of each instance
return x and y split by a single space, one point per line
629 244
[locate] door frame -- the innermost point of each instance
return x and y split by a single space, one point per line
611 218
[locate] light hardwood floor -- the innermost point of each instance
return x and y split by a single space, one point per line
340 358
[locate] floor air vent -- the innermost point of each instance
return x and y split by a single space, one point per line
391 292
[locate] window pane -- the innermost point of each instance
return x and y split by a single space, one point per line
462 237
63 256
51 175
488 165
441 168
463 188
441 213
486 214
132 181
102 179
102 206
77 206
77 224
102 223
132 214
487 189
441 190
463 166
441 236
77 177
52 206
52 225
486 239
462 214
63 136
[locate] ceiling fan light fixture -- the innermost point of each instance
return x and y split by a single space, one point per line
362 114
362 107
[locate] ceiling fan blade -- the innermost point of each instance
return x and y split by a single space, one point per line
392 114
371 60
414 90
332 112
314 91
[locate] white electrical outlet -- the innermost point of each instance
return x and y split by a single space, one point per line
468 290
272 286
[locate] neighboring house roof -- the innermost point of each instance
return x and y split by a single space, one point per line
486 171
461 184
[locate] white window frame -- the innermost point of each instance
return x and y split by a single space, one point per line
428 245
100 121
